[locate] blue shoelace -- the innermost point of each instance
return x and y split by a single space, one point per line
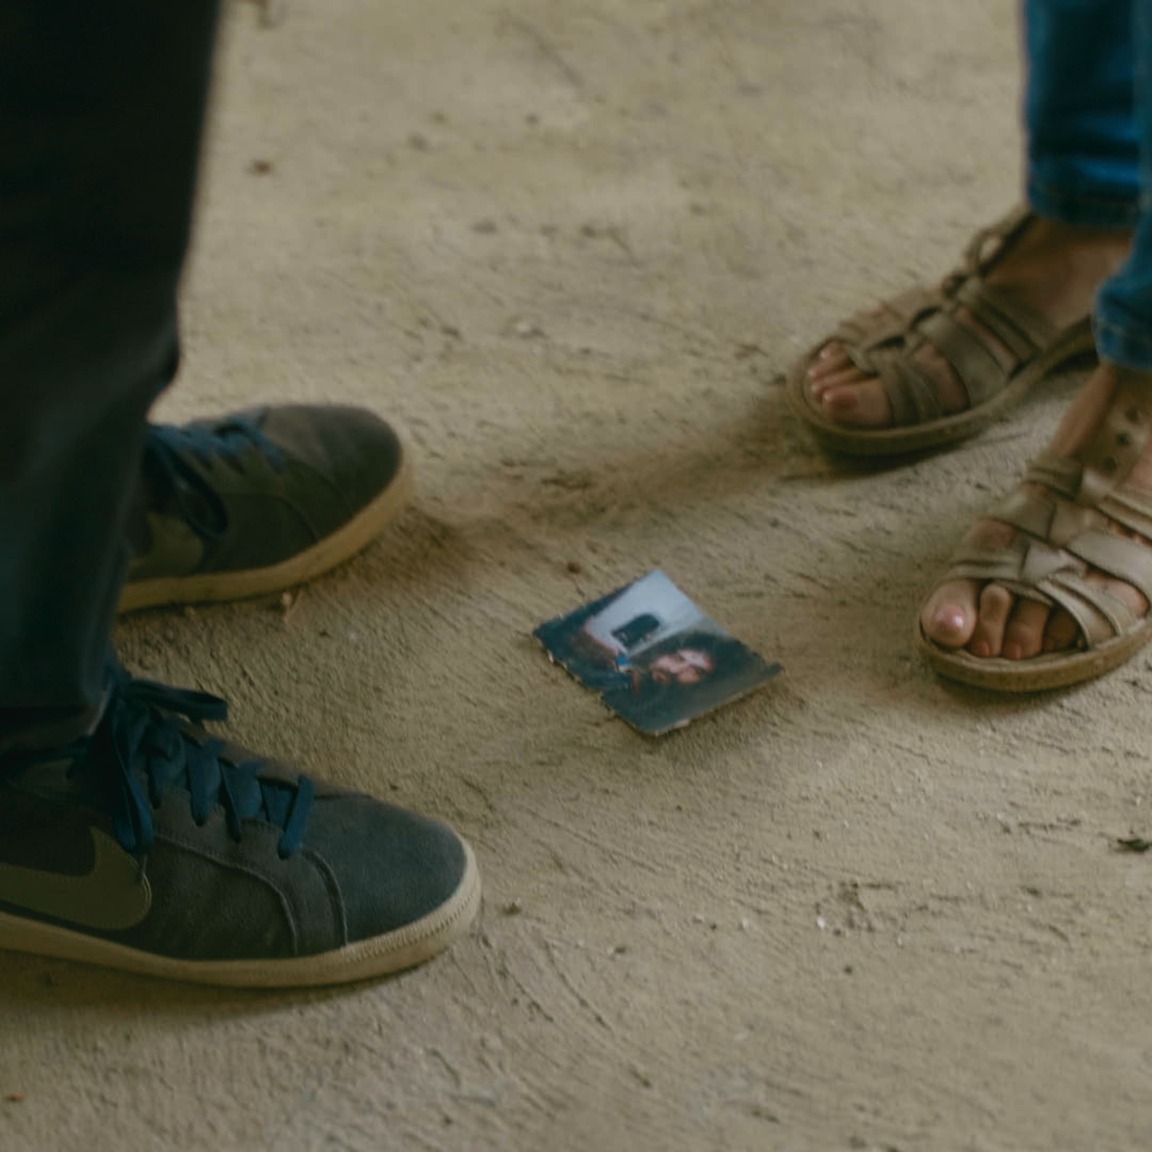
166 454
141 744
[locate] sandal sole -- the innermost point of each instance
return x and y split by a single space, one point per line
1041 673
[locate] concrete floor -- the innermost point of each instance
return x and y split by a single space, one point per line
571 245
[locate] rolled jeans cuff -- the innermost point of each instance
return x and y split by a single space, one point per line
1120 342
1088 207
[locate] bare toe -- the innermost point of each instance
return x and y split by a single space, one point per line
950 613
995 610
1061 632
848 377
1024 636
864 404
830 359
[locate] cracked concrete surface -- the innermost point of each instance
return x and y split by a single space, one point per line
571 245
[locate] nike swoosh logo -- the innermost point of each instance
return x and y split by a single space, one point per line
110 898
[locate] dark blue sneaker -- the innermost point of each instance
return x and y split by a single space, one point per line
259 501
157 848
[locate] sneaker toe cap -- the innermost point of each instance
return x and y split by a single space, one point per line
392 867
356 452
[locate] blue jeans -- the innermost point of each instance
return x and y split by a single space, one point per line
1088 110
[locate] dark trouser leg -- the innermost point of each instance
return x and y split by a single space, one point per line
1080 110
101 115
1124 306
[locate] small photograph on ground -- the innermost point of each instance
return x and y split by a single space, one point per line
652 656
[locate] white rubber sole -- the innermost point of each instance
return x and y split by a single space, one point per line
380 956
323 556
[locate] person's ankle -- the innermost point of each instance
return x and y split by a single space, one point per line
1047 233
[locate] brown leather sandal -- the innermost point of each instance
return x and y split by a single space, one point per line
884 345
1061 535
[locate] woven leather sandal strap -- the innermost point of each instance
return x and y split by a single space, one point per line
1069 518
990 242
912 397
1099 615
867 331
1129 561
1131 507
1059 528
864 332
930 316
1046 517
1022 329
1033 570
1059 473
973 361
1125 504
973 295
1024 566
1001 565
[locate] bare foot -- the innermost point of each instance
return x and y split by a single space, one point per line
1051 268
986 619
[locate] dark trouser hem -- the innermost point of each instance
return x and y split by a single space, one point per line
1086 207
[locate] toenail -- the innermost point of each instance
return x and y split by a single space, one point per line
1013 652
950 620
982 649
